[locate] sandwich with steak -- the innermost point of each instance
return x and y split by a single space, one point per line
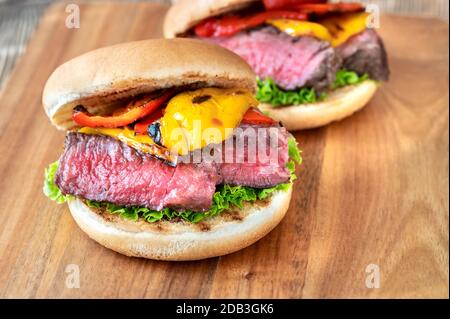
316 62
166 155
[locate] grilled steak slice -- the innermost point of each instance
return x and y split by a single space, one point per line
292 62
365 53
101 168
262 165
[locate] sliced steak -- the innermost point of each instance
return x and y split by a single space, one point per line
256 165
365 53
103 169
292 62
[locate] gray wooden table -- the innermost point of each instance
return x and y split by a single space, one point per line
19 18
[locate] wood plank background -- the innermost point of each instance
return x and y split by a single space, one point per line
373 189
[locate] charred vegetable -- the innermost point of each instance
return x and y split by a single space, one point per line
134 111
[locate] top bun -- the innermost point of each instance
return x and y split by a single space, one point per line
184 14
100 78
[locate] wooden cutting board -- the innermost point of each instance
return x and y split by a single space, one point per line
373 189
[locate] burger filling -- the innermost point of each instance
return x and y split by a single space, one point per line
188 154
300 51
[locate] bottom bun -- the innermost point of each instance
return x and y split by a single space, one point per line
339 104
165 240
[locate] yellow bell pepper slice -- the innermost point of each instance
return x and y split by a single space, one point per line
343 26
301 28
194 119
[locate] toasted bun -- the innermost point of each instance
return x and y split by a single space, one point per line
184 14
99 78
224 234
339 104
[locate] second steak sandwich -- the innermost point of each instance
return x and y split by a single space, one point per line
166 156
317 62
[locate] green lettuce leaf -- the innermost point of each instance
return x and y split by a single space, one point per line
293 151
224 198
50 189
346 77
270 92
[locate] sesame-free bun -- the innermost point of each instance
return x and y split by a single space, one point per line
101 77
338 105
184 14
166 240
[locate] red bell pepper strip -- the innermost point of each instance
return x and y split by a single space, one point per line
229 25
254 116
134 111
283 4
320 9
141 127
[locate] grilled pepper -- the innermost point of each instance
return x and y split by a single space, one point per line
134 111
229 25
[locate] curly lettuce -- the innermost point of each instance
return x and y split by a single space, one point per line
270 92
224 198
50 189
345 77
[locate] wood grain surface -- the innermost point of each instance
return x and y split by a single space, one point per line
373 189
